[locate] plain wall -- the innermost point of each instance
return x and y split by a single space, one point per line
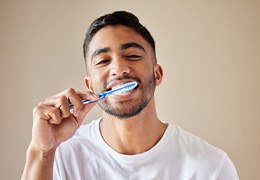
210 52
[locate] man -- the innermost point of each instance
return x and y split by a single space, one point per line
128 141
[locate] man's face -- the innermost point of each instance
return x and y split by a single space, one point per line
117 54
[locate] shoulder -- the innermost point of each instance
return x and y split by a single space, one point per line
199 155
193 144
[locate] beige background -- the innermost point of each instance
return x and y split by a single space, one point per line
210 51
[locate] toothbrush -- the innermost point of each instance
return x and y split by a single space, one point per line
124 87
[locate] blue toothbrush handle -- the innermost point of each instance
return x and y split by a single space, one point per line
86 101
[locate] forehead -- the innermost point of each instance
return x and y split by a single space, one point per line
113 37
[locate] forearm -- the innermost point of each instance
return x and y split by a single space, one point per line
39 165
53 123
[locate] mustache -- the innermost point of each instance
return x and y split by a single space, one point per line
125 77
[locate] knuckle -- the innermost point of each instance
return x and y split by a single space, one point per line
65 113
54 114
36 109
37 112
56 111
70 91
62 100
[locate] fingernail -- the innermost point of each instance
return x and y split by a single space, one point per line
77 113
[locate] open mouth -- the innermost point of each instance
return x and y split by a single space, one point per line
122 89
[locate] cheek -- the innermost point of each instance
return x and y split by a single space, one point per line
95 74
98 81
147 72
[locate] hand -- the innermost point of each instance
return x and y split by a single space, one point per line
54 122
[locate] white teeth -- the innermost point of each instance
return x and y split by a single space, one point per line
125 91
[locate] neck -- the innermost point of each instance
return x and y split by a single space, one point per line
133 135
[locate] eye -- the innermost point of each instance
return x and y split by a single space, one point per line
133 57
102 62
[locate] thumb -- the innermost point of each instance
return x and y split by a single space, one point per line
84 111
86 107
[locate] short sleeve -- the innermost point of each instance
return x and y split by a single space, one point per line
228 170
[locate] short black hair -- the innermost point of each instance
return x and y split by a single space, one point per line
117 18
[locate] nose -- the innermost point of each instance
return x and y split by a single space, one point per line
119 67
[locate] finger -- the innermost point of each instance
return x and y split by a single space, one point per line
84 111
60 102
71 97
38 112
86 107
63 104
88 95
75 99
55 115
65 110
48 113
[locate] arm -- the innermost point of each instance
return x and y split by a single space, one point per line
53 123
39 165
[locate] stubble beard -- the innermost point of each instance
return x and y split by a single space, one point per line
131 108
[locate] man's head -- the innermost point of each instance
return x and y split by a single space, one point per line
116 54
118 18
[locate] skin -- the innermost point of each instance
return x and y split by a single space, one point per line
114 65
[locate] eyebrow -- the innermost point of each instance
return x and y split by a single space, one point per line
131 44
100 51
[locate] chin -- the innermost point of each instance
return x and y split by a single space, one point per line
125 110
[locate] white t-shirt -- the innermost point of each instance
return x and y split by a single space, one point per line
179 155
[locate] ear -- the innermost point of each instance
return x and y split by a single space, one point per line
88 84
158 72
